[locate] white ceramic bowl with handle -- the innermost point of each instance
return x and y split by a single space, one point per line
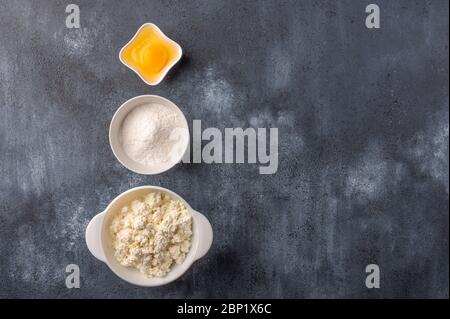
99 240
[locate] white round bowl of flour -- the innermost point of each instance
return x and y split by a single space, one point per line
149 134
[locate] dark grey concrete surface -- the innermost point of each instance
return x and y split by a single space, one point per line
363 154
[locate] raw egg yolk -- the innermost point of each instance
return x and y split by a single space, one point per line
149 53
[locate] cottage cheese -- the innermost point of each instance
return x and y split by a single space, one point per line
152 233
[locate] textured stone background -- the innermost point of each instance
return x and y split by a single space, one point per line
363 120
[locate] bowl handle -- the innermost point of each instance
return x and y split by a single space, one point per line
93 237
205 235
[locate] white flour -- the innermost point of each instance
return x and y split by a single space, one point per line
154 135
